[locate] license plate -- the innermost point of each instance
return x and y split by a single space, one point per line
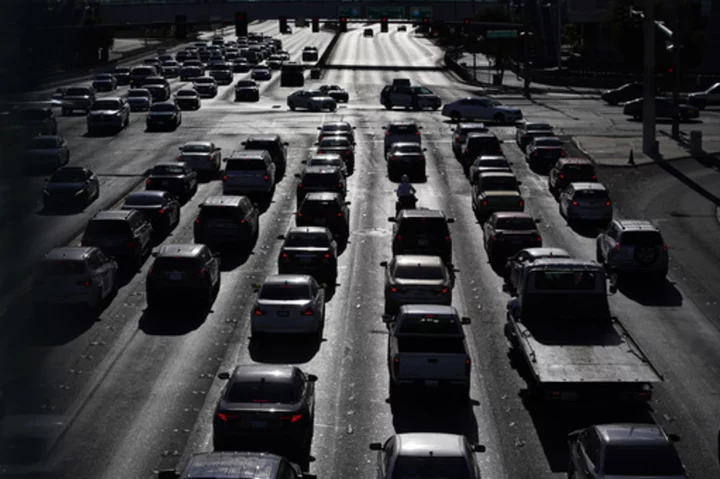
283 313
305 259
176 276
432 384
164 183
515 241
258 424
319 221
423 242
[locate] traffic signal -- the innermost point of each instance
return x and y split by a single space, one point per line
426 21
180 27
466 26
315 24
384 24
343 24
241 24
283 24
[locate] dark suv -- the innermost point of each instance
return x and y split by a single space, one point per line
274 145
123 234
325 209
227 220
423 232
479 144
570 170
309 250
633 246
320 178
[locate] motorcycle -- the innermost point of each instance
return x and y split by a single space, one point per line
405 203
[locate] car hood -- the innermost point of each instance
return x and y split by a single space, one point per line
58 187
103 112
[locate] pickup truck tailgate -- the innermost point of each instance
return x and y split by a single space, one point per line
429 366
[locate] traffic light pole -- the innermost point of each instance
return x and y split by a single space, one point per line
649 97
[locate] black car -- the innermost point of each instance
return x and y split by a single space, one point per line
159 207
266 407
621 94
187 99
240 65
123 235
335 92
423 232
325 209
663 109
247 90
320 178
479 144
309 250
227 220
163 115
71 186
176 178
183 272
274 145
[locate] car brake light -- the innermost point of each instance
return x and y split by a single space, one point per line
417 133
387 133
320 152
617 246
339 215
225 178
458 138
258 312
393 290
347 152
308 312
294 418
538 238
162 211
398 237
467 150
447 238
522 203
149 271
561 176
202 272
393 158
326 255
467 366
574 203
494 238
148 181
285 257
340 186
535 153
84 282
562 152
396 364
607 203
665 247
444 291
180 158
197 221
299 214
266 178
594 177
131 244
222 416
484 203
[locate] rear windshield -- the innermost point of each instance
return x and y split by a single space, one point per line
106 105
423 467
592 194
176 264
168 170
204 80
143 71
548 142
491 163
412 227
186 93
263 392
44 143
334 142
325 162
62 268
77 92
565 280
269 146
403 129
196 149
68 176
515 224
245 165
418 272
636 238
143 200
288 67
499 184
414 148
430 324
108 227
154 81
317 179
483 142
245 83
319 207
336 128
162 107
579 171
285 291
139 93
642 461
218 212
298 240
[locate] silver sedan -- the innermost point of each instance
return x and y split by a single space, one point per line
311 100
288 304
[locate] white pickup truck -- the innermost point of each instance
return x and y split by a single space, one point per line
427 349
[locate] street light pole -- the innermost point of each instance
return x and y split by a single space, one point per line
649 97
559 35
676 73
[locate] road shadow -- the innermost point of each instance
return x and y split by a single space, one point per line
553 424
109 133
435 412
588 230
649 292
330 290
232 259
58 325
173 321
207 177
283 349
61 211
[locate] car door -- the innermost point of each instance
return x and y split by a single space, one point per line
586 455
401 96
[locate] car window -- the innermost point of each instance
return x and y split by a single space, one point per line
162 107
419 272
336 162
326 142
403 129
196 148
335 128
579 172
246 165
284 292
143 200
269 146
186 93
62 268
68 176
106 105
642 461
263 392
487 163
515 224
645 238
548 142
565 280
432 227
168 170
176 264
422 467
429 324
245 83
591 194
104 227
319 179
220 212
499 183
320 208
299 240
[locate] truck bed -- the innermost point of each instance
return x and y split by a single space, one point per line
604 355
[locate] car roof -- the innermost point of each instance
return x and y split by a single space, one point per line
428 309
321 196
179 250
637 225
586 186
263 138
112 215
69 253
325 156
547 252
297 230
402 123
113 98
222 200
146 194
280 373
336 123
632 434
197 143
168 163
469 126
491 157
423 213
574 161
406 143
512 214
418 260
281 279
322 170
430 443
232 465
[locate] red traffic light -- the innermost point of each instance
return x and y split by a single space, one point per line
426 19
467 21
343 19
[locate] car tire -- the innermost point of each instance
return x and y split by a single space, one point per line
292 107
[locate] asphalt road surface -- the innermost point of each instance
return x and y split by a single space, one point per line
136 391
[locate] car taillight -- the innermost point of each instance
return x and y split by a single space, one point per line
299 214
396 364
222 417
84 282
340 186
417 133
467 366
484 203
339 215
131 244
266 178
522 203
665 247
574 203
320 152
447 238
494 238
387 133
197 221
607 203
225 178
458 138
535 153
308 312
562 152
393 290
561 176
285 257
617 246
538 238
180 158
326 256
444 291
202 272
393 158
594 177
294 418
148 181
398 237
162 211
467 150
347 152
258 312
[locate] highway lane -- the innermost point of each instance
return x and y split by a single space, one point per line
145 396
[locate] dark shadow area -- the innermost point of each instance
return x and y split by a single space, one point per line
62 210
57 325
571 333
283 348
233 258
553 424
261 202
542 170
668 121
106 133
342 244
649 291
393 68
173 321
207 177
435 412
706 159
330 290
498 266
587 229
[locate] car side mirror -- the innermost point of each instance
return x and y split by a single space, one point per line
281 237
538 221
304 162
319 128
224 375
451 220
465 320
180 148
354 128
674 437
347 203
225 160
501 141
384 127
243 143
479 448
519 183
375 446
286 143
256 287
392 219
316 143
312 378
384 264
387 319
297 175
424 149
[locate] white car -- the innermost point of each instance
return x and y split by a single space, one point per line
586 202
70 276
311 100
481 108
327 160
289 304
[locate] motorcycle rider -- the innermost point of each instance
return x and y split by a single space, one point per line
405 190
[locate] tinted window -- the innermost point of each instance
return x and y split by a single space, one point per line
139 93
106 105
261 392
245 165
326 162
334 142
296 240
636 238
591 194
107 227
68 176
642 461
403 129
143 71
62 268
44 143
434 227
319 207
421 90
269 146
413 467
196 149
579 172
335 128
168 170
414 148
539 126
176 264
515 224
77 92
490 163
219 212
202 81
483 143
246 83
316 179
548 142
143 200
418 272
430 324
162 107
283 292
499 183
565 280
186 93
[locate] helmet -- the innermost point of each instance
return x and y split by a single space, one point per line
405 179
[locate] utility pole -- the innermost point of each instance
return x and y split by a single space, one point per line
559 34
676 73
649 97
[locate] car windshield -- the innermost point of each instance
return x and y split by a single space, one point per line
186 93
187 265
62 268
643 461
143 71
403 129
77 92
106 105
554 142
428 227
263 392
167 170
516 224
430 324
122 69
197 148
645 238
299 240
245 165
245 83
499 184
319 179
162 107
44 143
565 280
285 292
108 227
68 176
138 94
334 142
418 272
423 467
488 163
144 200
31 115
